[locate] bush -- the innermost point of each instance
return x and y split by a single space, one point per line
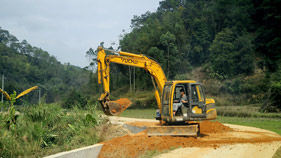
275 85
47 129
73 99
231 55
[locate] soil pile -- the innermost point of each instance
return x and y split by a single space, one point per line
214 135
207 127
108 131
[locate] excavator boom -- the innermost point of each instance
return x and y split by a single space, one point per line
130 59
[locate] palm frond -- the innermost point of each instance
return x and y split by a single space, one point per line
6 94
26 91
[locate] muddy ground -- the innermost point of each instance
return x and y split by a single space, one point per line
216 140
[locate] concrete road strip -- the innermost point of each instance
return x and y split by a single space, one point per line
85 152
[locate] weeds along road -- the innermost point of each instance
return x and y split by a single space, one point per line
216 140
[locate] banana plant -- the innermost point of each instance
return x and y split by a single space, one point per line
11 118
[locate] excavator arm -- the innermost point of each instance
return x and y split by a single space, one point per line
125 58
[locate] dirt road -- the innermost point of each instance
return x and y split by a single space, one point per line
216 140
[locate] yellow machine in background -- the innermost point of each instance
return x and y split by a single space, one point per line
166 92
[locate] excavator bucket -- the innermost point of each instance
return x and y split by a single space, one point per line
190 130
118 106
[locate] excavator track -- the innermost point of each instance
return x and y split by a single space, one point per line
182 130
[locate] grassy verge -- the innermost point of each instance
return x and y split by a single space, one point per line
264 123
47 129
278 153
154 153
245 111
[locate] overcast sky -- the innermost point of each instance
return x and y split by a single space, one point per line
68 28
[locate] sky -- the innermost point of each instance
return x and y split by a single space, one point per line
68 28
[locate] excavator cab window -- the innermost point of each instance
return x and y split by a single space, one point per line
194 93
166 95
165 100
177 93
197 99
197 94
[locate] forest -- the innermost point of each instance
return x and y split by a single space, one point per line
234 43
24 66
232 47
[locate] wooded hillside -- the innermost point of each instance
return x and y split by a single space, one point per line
236 42
25 66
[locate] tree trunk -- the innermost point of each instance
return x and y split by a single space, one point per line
168 62
130 76
134 79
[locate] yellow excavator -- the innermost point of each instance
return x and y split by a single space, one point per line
184 121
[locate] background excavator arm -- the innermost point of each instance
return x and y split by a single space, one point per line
130 59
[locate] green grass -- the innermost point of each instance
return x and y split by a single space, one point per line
264 123
153 153
277 153
47 129
245 111
139 113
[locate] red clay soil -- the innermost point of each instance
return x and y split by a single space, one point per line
124 104
215 134
213 127
205 126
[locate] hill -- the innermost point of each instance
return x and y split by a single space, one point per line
235 42
25 65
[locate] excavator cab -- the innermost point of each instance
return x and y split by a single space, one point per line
197 108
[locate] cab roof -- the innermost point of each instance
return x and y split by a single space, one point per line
180 81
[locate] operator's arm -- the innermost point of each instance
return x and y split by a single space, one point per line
184 99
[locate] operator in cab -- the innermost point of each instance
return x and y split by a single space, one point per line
183 100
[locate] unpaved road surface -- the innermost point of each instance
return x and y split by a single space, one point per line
216 140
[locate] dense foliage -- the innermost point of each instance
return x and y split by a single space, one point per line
195 33
47 129
230 39
25 66
73 99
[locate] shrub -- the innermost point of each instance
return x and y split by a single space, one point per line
73 99
47 129
275 86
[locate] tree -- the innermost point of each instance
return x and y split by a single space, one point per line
222 54
231 55
168 40
92 55
267 23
